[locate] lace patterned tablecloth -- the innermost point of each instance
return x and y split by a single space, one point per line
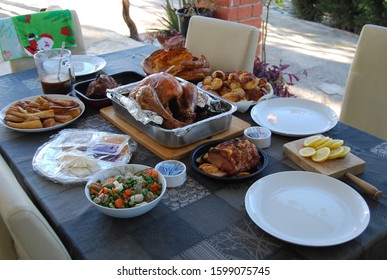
203 219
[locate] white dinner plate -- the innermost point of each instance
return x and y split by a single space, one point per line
32 98
87 64
307 208
294 116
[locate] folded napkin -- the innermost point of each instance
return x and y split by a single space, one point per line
22 36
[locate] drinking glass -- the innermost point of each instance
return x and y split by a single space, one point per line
55 71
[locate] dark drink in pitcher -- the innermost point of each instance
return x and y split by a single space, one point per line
56 84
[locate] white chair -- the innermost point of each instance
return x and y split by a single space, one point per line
228 46
28 62
24 232
365 100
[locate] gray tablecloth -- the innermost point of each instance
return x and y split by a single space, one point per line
203 219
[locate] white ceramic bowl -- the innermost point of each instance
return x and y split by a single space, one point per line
259 135
124 212
174 171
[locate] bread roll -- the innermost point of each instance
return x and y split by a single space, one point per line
216 83
219 74
234 81
254 94
248 80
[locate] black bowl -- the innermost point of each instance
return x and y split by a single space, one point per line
122 78
203 148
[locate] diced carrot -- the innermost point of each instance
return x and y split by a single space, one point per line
152 172
92 190
96 184
154 187
105 190
119 203
155 173
110 180
126 193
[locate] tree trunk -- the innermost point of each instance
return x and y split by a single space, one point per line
129 22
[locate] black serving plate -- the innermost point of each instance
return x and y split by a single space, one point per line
203 148
121 78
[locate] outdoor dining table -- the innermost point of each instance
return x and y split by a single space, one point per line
204 218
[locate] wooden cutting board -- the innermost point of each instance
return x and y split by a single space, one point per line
236 129
336 168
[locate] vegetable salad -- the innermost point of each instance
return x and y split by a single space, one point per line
126 191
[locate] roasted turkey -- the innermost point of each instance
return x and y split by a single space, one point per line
232 157
163 94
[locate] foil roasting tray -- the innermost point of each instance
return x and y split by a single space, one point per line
146 121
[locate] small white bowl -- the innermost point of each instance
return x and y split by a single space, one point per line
122 170
174 171
259 135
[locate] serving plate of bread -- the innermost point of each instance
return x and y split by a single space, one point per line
242 88
41 113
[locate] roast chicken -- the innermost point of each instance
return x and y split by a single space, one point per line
98 87
232 157
163 94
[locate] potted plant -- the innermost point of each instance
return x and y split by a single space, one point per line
279 79
175 21
189 8
168 36
170 20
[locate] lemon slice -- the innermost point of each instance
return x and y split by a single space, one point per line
336 143
325 143
321 141
345 152
307 152
321 154
336 152
310 141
